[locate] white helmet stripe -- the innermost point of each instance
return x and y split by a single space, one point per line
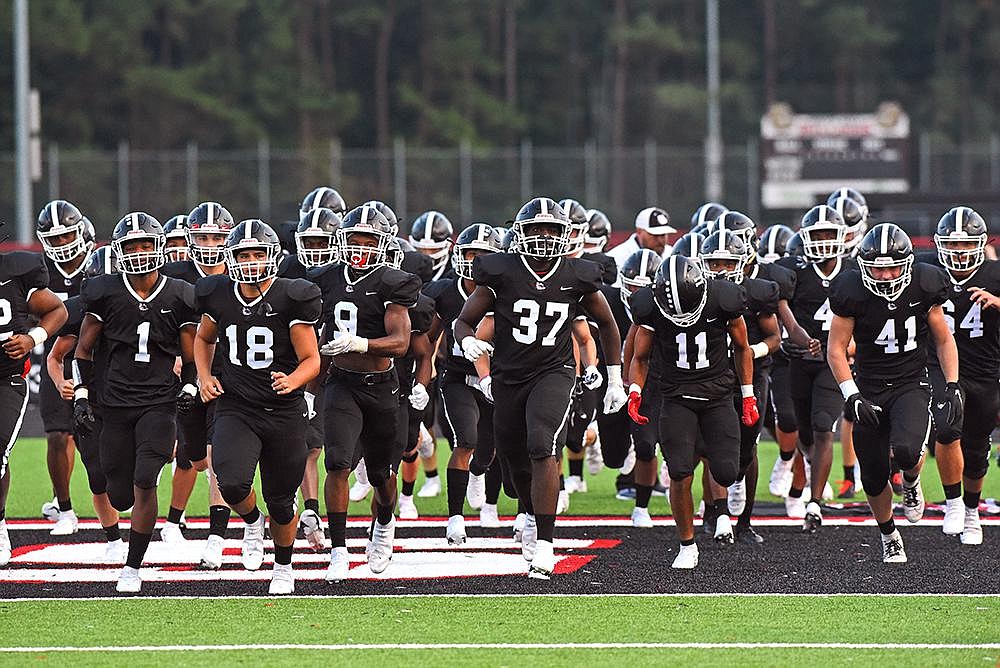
314 223
429 225
960 219
885 238
318 197
211 214
107 260
673 285
643 263
772 242
248 231
135 221
54 213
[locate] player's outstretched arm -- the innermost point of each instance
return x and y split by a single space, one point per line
55 361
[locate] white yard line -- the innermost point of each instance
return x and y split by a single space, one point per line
394 597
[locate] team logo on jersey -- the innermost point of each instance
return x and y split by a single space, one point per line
143 306
247 311
958 287
825 283
348 288
67 282
892 306
539 285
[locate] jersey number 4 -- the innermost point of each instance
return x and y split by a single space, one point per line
973 320
527 330
887 337
824 314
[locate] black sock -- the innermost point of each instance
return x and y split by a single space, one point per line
218 520
795 492
520 506
818 502
408 487
282 555
112 533
721 507
3 514
383 514
689 541
849 473
562 482
953 491
887 527
252 516
642 494
458 485
907 478
431 474
174 515
312 504
494 482
576 467
971 499
338 528
137 544
65 505
786 456
546 526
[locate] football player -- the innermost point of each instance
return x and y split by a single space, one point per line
431 235
535 293
686 322
262 328
175 230
366 325
890 307
143 320
25 297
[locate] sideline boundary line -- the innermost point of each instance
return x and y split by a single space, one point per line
294 597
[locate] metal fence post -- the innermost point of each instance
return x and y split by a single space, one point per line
925 162
53 171
994 161
191 175
336 163
264 178
649 153
399 175
527 176
465 179
753 178
590 171
123 170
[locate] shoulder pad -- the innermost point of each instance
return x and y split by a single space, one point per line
422 314
286 264
933 281
98 287
589 274
609 267
418 264
763 293
23 263
927 257
732 298
784 277
301 290
846 292
400 287
435 289
644 311
209 284
174 269
489 269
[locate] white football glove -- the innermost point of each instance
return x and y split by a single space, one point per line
419 397
486 387
615 397
310 404
345 343
474 348
592 378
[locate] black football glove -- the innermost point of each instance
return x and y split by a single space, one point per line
83 416
955 402
185 400
861 411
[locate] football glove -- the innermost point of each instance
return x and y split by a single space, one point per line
860 410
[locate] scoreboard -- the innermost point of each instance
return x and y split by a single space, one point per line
806 156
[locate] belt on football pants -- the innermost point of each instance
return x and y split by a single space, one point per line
363 377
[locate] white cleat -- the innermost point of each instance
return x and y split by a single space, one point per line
282 580
50 510
379 548
519 523
211 557
629 464
594 458
475 493
425 444
562 503
913 500
954 517
529 538
724 530
892 549
5 550
456 530
115 551
795 507
171 533
576 485
813 519
66 525
431 487
544 561
687 557
737 497
253 544
827 492
972 533
360 491
407 509
641 518
312 529
781 477
488 516
340 563
129 581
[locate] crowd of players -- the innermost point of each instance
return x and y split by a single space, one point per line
203 343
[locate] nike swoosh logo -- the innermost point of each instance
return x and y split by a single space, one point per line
396 390
371 293
940 406
6 282
914 303
566 288
711 320
268 315
166 310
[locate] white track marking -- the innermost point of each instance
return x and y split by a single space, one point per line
403 597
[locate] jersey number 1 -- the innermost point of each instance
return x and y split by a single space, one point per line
260 347
887 337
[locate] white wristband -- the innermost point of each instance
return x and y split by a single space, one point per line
634 388
848 388
614 374
746 391
363 344
38 335
760 350
81 393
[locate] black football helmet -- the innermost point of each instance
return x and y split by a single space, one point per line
530 237
956 231
680 290
706 213
212 220
319 224
578 217
175 230
704 229
638 270
598 231
386 211
138 226
394 253
101 261
507 240
796 247
849 193
476 237
855 217
824 234
740 225
364 221
56 219
773 243
724 246
252 234
323 196
689 246
432 231
886 246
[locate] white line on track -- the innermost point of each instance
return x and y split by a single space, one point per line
509 646
77 599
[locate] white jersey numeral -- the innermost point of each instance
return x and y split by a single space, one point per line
824 314
527 330
142 354
700 342
887 337
260 347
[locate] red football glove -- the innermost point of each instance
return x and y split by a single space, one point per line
750 413
634 401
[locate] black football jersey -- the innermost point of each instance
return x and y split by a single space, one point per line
186 270
74 307
532 314
623 318
449 296
810 304
418 264
609 268
290 267
142 337
976 330
890 337
422 314
694 362
63 285
357 305
21 273
762 300
255 335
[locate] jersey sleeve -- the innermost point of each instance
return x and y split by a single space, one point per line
488 270
418 264
785 278
422 314
188 313
644 311
843 298
30 269
732 298
74 306
92 295
934 282
435 289
763 296
589 275
204 290
400 287
306 302
609 268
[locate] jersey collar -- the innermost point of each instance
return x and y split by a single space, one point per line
74 273
347 274
252 302
152 295
832 274
541 279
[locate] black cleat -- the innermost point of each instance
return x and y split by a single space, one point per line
847 490
748 536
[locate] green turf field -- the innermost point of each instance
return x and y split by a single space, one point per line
562 621
30 487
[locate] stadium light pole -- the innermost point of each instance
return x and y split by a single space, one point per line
22 169
713 142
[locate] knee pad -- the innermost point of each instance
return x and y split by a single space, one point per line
121 499
233 493
679 474
873 486
905 456
379 478
824 422
725 474
282 511
948 433
976 458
